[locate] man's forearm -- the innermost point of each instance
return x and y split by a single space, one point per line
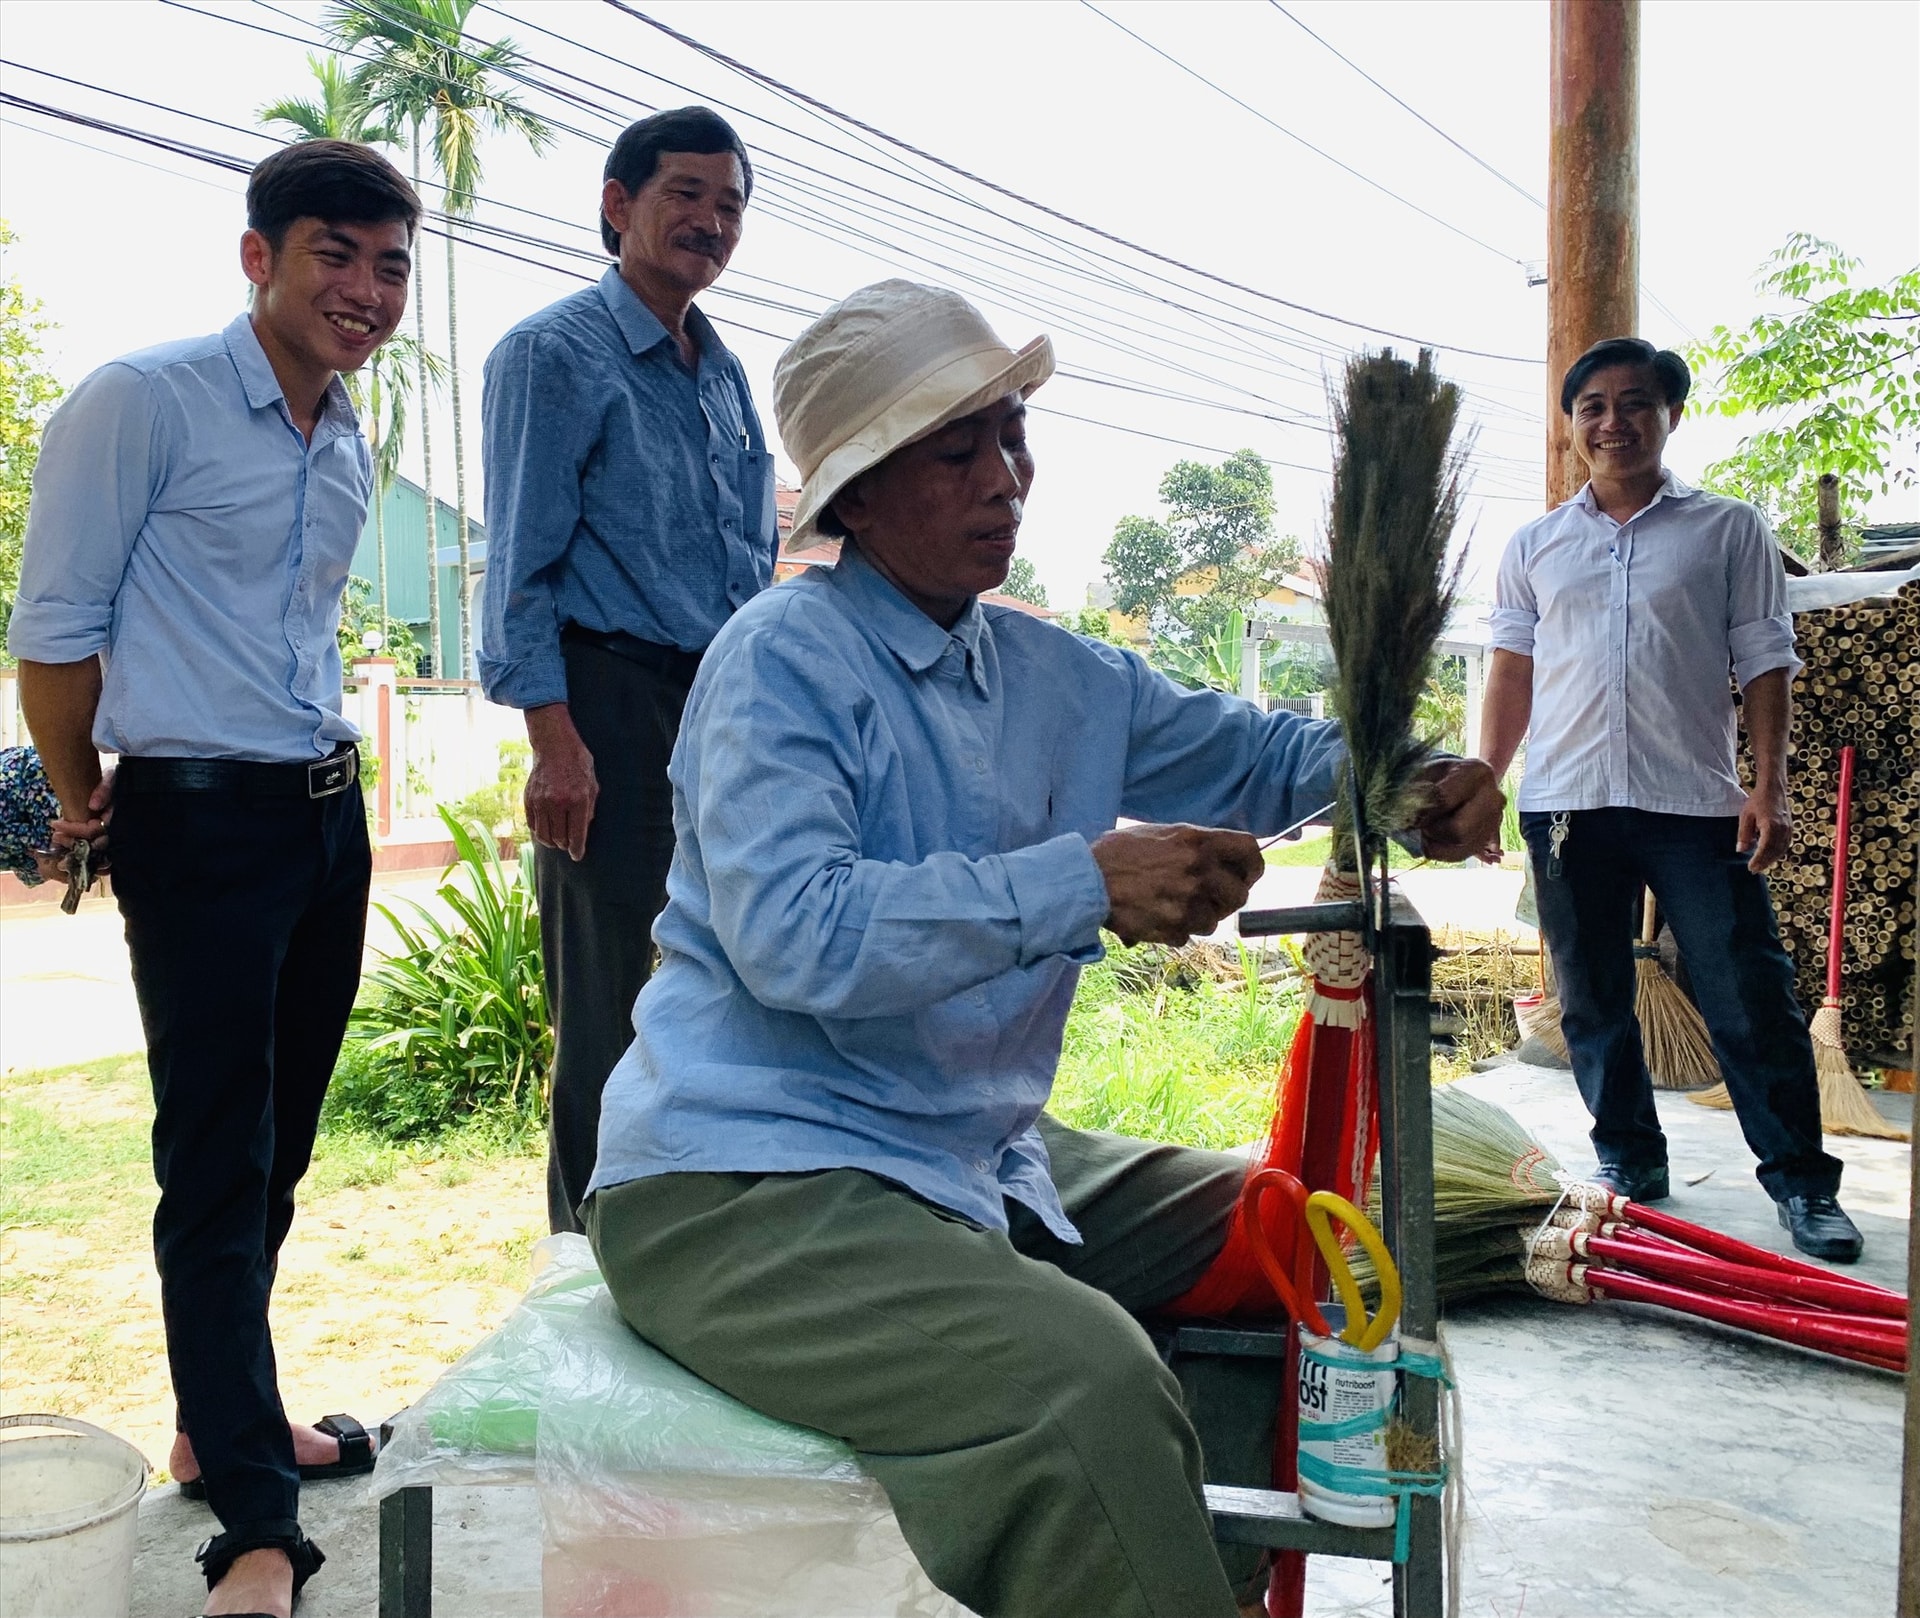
1506 709
59 701
1767 704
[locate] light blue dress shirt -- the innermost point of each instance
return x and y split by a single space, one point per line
182 525
1633 629
883 889
623 492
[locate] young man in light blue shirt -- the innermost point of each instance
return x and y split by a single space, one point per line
195 507
825 1181
1618 619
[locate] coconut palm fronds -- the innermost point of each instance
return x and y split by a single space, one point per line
1397 484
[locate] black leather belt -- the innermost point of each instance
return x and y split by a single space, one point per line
322 778
665 660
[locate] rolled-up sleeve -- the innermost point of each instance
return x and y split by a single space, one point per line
1759 626
100 459
536 441
1515 612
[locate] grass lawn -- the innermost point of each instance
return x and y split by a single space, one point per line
399 1260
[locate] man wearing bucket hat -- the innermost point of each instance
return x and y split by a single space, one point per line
630 507
825 1182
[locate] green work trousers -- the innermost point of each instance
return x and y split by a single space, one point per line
996 1383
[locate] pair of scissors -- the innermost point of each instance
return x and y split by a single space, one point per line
1314 1214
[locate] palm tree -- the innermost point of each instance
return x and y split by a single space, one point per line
341 113
423 69
380 394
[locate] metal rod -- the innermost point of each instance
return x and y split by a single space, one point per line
1346 916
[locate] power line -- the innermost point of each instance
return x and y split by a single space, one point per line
1051 212
1413 112
1318 151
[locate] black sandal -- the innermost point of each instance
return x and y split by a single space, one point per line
356 1456
216 1556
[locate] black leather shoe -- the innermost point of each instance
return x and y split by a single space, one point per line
1645 1182
1821 1228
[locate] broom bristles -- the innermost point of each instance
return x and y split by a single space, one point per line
1542 1022
1844 1107
1673 1035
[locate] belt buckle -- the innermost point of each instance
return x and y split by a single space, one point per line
328 776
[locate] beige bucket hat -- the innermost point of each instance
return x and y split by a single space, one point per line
883 367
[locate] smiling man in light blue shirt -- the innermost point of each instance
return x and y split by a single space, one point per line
826 1182
195 507
1619 618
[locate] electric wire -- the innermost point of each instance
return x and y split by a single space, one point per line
757 75
1318 151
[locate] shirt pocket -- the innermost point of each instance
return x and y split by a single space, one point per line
758 518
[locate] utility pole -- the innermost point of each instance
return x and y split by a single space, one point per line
1593 201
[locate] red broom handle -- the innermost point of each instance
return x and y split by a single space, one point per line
1843 825
1728 1247
1670 1264
1851 1338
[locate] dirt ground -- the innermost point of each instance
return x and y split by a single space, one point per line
395 1266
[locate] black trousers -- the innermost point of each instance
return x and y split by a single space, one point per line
1742 980
245 917
597 913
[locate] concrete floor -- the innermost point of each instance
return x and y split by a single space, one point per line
1620 1462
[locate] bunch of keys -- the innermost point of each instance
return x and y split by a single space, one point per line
1556 835
79 874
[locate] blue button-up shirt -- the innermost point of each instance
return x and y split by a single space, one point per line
883 889
1633 628
623 492
182 525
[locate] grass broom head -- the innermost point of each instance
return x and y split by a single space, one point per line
1844 1107
1674 1041
1397 483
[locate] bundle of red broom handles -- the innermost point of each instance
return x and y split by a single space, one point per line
1598 1245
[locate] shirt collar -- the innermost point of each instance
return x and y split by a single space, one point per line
908 632
263 388
1671 488
641 326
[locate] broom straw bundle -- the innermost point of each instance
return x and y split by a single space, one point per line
1844 1107
1673 1035
1397 485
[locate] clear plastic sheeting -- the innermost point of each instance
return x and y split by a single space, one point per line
661 1497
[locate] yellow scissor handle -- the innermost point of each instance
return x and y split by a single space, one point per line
1360 1332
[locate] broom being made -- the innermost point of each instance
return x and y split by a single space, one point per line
1844 1107
1674 1041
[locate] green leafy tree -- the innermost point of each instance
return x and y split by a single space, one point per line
28 393
380 393
1833 374
339 111
364 630
1217 517
425 71
1023 584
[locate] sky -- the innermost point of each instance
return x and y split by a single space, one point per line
1290 174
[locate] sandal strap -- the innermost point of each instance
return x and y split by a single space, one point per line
216 1556
356 1445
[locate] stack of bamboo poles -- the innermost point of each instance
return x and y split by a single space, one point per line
1861 685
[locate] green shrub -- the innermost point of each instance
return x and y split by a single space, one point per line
501 806
453 1027
1154 1050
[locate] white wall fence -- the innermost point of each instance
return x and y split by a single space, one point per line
437 741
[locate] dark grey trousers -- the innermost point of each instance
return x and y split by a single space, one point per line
597 913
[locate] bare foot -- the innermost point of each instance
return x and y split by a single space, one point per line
311 1447
259 1581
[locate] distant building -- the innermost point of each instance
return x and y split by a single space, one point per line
1295 600
406 524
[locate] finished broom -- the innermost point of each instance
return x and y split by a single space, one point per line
1673 1035
1844 1107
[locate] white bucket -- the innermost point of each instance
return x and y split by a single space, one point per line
1354 1387
69 1519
